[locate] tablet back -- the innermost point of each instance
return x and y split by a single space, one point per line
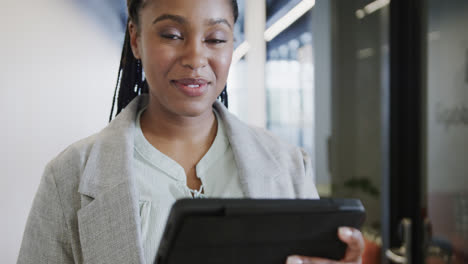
256 231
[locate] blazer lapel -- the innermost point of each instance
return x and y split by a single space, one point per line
259 171
108 228
109 216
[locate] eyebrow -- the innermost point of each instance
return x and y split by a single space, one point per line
181 20
212 22
175 18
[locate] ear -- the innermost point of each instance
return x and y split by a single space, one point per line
134 39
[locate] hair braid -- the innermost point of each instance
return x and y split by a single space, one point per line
130 81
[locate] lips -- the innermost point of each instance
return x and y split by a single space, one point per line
192 87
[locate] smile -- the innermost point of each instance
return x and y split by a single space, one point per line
192 87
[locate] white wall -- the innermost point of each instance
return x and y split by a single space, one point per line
57 75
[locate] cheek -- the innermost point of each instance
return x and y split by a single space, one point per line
222 64
158 60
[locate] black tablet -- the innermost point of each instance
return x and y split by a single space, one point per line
256 231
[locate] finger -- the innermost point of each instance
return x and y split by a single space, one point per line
309 260
355 243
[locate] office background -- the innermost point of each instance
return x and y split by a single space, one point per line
59 68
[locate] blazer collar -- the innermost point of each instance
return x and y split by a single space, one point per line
259 171
110 160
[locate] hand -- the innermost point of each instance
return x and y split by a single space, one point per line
353 239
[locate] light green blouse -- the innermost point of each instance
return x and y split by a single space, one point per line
161 181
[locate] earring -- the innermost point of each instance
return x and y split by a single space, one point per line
224 97
138 67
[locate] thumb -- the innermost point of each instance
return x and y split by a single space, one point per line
354 241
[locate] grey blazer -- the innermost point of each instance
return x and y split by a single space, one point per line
86 209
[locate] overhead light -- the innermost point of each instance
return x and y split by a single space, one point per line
376 5
290 17
360 13
240 52
371 8
365 53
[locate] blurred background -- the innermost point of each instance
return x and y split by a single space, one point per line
375 91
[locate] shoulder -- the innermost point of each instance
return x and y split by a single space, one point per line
296 162
280 149
64 172
292 157
255 138
71 162
73 157
271 141
261 152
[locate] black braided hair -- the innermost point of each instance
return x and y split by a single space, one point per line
130 82
130 79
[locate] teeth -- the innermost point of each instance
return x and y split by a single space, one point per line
193 85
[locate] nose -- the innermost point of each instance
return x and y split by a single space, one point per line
194 55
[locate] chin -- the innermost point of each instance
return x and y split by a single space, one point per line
194 109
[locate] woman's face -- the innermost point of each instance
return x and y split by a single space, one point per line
186 48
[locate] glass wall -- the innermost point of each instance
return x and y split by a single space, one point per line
360 84
447 128
289 78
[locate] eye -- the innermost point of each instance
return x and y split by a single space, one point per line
216 41
171 36
217 36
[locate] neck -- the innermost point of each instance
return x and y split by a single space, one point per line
166 126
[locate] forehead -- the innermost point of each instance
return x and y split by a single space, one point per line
191 9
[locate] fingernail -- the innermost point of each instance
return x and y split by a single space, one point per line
294 260
345 232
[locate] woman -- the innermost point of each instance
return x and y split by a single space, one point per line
106 198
